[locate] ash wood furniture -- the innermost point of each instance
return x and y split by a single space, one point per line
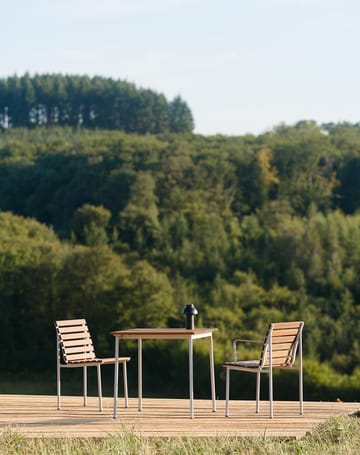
279 349
165 334
75 349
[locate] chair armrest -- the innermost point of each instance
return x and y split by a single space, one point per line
239 340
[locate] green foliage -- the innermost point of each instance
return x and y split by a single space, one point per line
150 298
249 229
84 102
139 219
30 260
90 225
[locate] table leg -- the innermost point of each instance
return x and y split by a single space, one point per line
191 378
212 374
140 373
116 376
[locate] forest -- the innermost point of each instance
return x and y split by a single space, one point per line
125 229
84 102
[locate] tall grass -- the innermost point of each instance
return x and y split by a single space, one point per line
337 436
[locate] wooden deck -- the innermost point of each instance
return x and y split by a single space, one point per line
36 416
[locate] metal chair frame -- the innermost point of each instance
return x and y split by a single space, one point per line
74 349
282 341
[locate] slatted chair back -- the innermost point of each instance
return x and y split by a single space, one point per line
75 341
281 343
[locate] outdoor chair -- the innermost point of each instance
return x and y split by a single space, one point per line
75 349
279 349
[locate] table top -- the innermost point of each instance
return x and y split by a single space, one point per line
163 333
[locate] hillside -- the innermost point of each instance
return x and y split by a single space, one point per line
125 229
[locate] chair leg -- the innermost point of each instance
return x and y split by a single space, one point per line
58 386
257 392
301 393
85 385
227 392
271 392
301 388
125 385
99 387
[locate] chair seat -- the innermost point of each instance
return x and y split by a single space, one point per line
81 362
89 362
244 364
109 361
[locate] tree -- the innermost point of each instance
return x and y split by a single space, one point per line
91 224
349 188
139 222
81 101
260 179
305 160
94 284
150 298
31 258
180 117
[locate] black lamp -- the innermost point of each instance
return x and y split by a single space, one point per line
189 311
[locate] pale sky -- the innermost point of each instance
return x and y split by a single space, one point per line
242 66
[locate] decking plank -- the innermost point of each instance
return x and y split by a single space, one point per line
37 416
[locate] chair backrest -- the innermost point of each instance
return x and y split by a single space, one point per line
74 341
282 340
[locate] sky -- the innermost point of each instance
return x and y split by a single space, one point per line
242 66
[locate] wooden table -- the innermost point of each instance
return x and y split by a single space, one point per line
164 334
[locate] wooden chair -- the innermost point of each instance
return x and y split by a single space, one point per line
279 349
75 349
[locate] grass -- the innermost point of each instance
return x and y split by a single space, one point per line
337 436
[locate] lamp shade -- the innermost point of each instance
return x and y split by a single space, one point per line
189 309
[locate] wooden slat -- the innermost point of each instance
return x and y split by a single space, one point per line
79 356
79 342
87 348
74 329
287 325
284 332
283 361
278 354
276 361
82 363
278 364
69 322
111 360
284 339
281 346
72 336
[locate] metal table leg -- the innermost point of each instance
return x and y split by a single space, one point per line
191 378
140 372
212 375
116 376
